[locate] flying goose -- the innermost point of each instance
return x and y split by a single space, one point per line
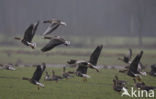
82 65
54 41
54 24
37 76
133 69
28 35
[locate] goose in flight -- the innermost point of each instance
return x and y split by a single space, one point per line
133 69
54 24
54 41
82 65
28 35
37 76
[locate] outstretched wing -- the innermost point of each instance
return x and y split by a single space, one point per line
82 68
35 26
51 28
95 55
53 43
38 73
28 33
134 65
130 53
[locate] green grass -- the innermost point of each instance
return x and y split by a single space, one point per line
60 55
83 41
99 86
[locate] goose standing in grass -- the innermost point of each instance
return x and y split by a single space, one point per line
55 77
54 41
127 58
66 74
147 87
153 70
121 82
82 66
118 86
37 76
47 76
9 67
138 84
143 86
54 24
28 35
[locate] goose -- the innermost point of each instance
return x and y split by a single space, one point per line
55 77
133 69
143 86
54 24
47 77
37 76
54 41
9 67
147 87
127 58
82 65
138 84
28 35
116 86
121 82
66 74
153 70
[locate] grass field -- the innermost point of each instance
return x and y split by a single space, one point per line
99 86
60 55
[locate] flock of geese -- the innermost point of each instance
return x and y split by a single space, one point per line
134 68
54 40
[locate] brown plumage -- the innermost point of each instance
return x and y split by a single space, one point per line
55 77
54 24
37 76
54 41
28 35
127 58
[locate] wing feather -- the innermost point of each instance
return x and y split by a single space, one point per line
28 33
134 65
51 28
53 43
95 55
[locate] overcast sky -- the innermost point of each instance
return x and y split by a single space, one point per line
89 17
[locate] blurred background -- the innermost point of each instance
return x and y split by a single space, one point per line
117 24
